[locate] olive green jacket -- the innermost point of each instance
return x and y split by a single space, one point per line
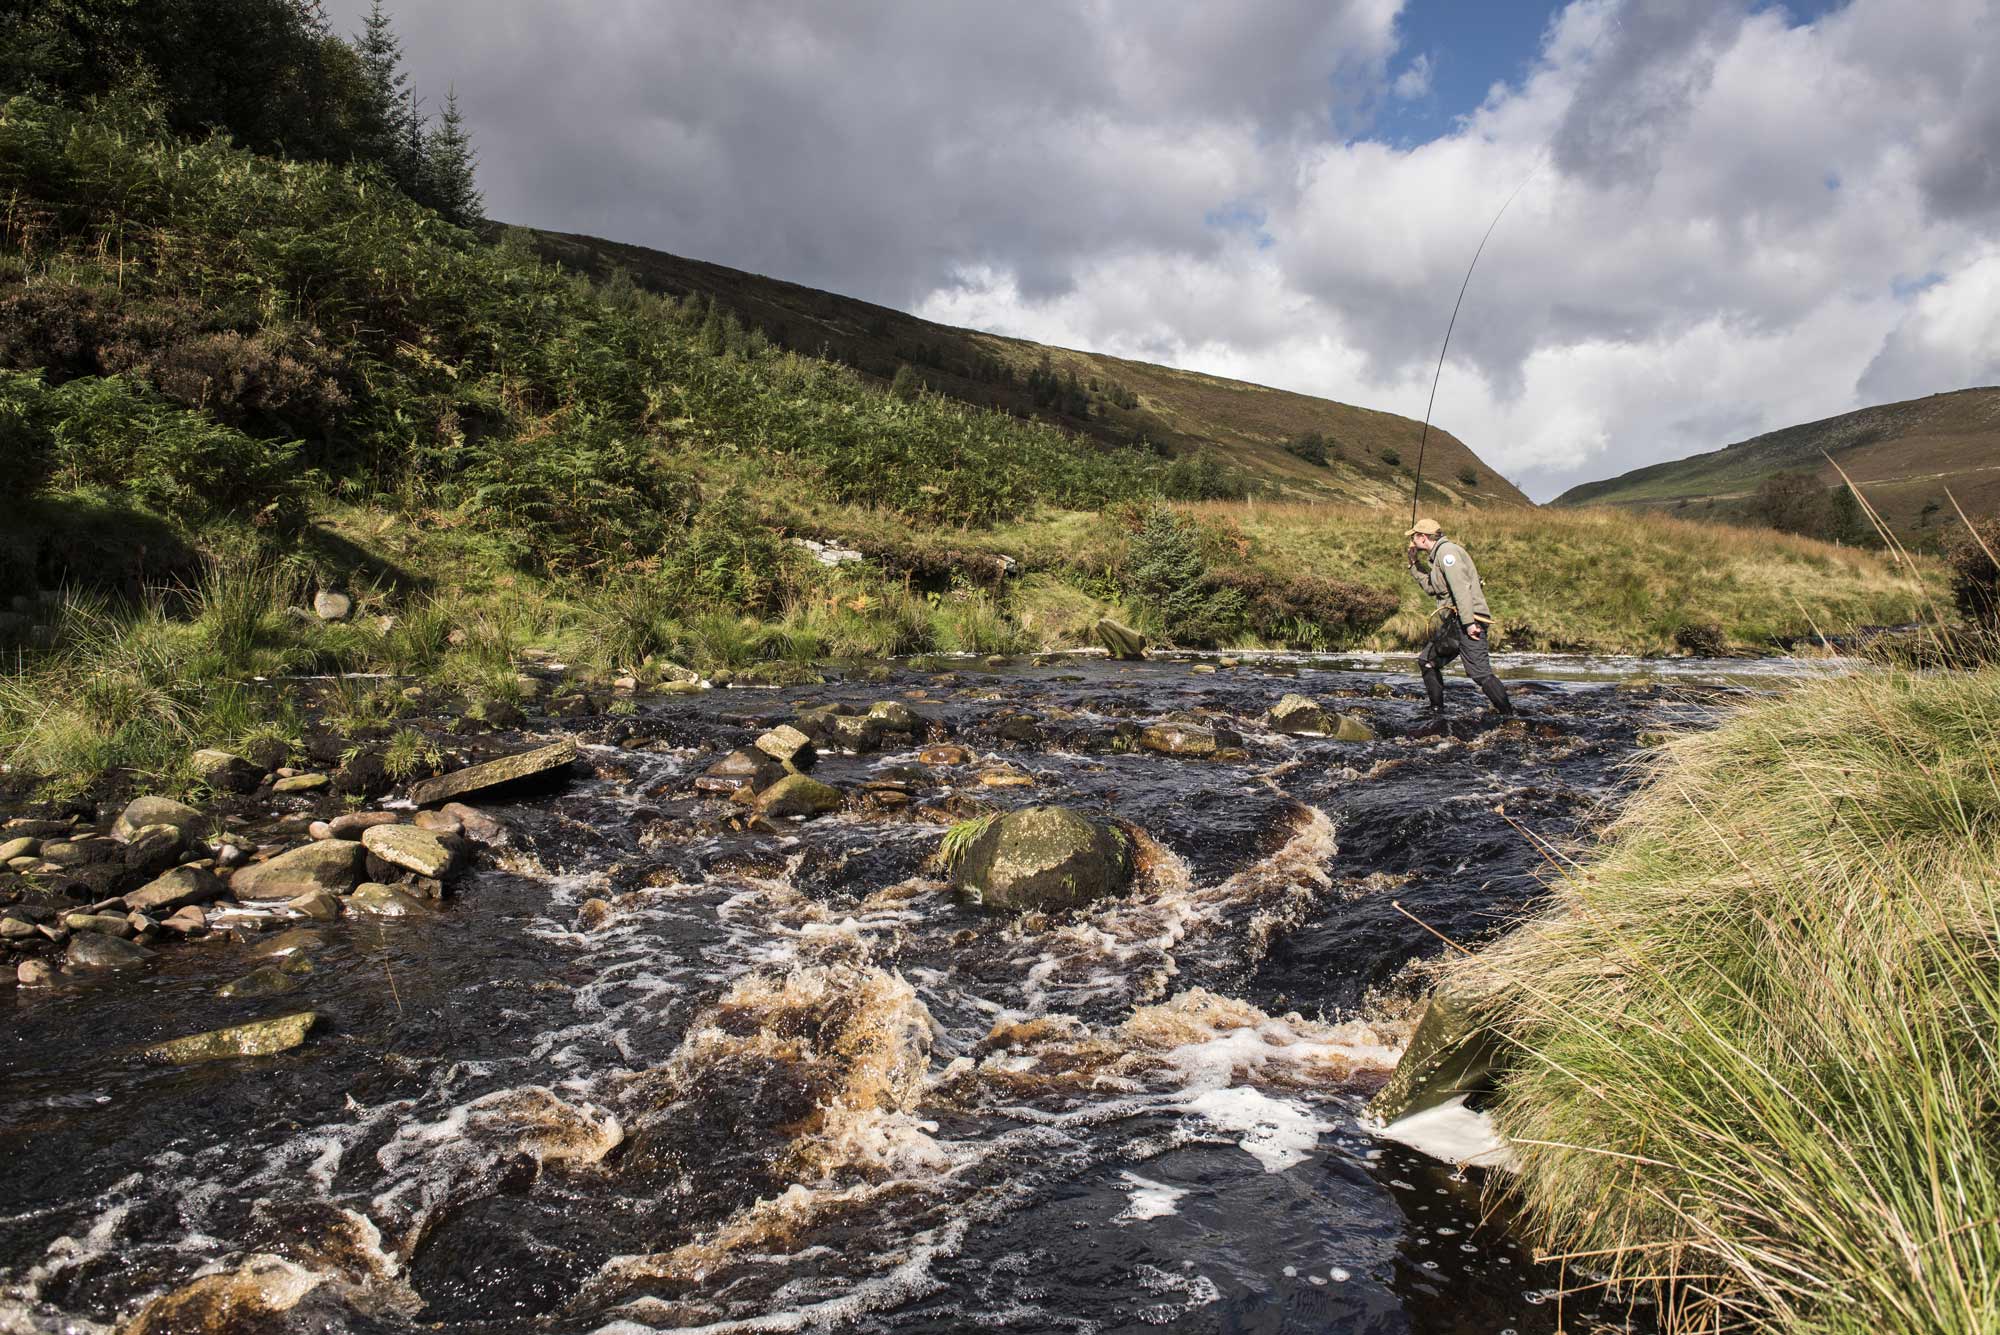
1454 581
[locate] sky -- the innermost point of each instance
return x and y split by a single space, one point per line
1732 215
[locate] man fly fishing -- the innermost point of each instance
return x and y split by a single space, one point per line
1462 617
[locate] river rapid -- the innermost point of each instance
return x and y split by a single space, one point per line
652 1068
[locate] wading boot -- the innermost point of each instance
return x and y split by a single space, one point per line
1434 688
1497 694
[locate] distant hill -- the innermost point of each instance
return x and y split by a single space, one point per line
1902 455
1127 403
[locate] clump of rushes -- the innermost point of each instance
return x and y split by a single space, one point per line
961 837
1757 1041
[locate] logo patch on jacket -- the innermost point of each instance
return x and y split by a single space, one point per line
1450 560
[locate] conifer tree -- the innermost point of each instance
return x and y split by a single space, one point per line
451 166
391 123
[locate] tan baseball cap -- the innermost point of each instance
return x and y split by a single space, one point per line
1428 527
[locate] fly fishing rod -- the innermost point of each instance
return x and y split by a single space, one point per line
1416 489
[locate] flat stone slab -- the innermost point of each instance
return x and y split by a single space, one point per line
408 847
260 1038
492 774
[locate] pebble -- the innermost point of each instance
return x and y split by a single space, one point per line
34 973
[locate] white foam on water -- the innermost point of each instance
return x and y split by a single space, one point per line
1454 1133
1277 1133
1149 1199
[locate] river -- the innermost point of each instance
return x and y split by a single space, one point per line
651 1070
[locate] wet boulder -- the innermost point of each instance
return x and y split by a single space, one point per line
259 1038
269 980
1297 714
144 811
385 901
895 716
740 769
1188 740
74 853
175 888
333 865
491 775
20 846
798 795
1120 639
110 924
95 950
477 826
1349 728
1043 858
789 746
409 848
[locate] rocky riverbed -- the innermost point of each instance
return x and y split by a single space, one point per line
781 1007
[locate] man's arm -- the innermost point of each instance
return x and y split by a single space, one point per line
1463 580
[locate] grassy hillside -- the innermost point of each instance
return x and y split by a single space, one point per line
228 380
1902 455
1371 455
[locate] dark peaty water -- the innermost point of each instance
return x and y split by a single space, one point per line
786 1081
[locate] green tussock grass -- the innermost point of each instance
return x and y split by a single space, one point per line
962 836
1757 1039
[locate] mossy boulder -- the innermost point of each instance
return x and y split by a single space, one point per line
798 795
174 889
409 848
1348 728
1297 714
1044 858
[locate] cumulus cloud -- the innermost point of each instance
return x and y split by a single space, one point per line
1733 220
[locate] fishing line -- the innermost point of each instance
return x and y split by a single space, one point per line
1416 489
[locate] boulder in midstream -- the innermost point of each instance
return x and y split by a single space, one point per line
798 795
333 865
750 769
270 980
479 827
259 1038
1348 728
1188 739
1043 858
789 746
1297 714
543 762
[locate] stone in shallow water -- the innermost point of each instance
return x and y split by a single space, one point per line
272 980
94 950
478 826
787 744
1351 729
301 783
260 1038
384 901
493 774
330 864
1297 714
410 848
174 889
350 824
798 795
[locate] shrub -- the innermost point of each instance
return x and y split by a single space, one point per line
1307 611
1469 476
1975 576
1704 639
1312 447
1201 476
1392 458
1166 573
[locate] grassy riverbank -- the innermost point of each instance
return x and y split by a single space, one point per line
1758 1057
